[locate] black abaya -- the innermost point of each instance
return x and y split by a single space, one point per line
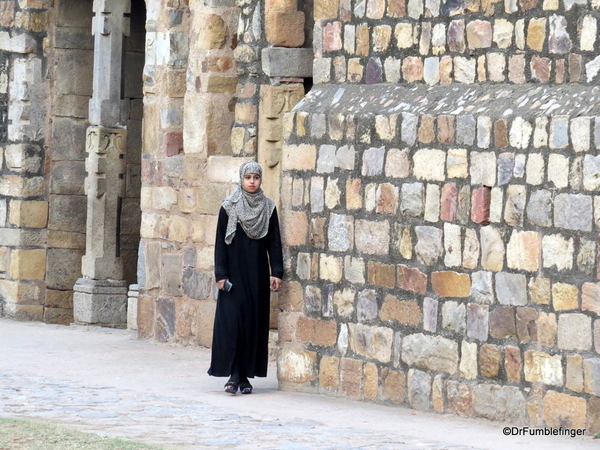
242 317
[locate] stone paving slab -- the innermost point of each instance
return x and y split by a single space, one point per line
108 382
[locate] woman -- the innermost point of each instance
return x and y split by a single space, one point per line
247 243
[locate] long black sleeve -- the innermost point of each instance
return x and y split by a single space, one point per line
274 246
221 259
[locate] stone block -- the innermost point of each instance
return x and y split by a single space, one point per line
468 360
499 403
100 302
557 251
393 385
451 284
196 284
285 28
454 317
511 288
330 268
564 296
483 168
171 274
412 280
63 267
28 264
492 249
344 302
502 322
372 237
371 342
558 170
313 302
412 199
480 205
593 424
294 228
329 373
527 325
574 332
299 157
287 62
419 390
28 214
539 208
430 352
366 307
397 163
381 274
523 250
452 244
515 205
573 212
404 312
429 244
512 364
591 173
562 410
297 366
460 398
373 161
58 316
429 164
354 269
387 199
477 321
490 359
316 331
574 378
590 297
340 233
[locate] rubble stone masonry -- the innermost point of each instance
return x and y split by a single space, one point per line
441 210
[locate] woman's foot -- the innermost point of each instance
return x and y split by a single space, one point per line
231 387
245 387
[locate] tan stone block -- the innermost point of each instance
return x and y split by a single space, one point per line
296 365
382 274
543 368
490 358
26 313
451 284
294 228
65 239
326 9
351 375
145 316
539 291
331 268
59 316
523 250
393 385
4 261
245 113
287 326
468 360
317 332
59 299
329 373
291 296
536 34
28 264
28 214
354 199
590 297
437 394
562 410
19 293
404 312
371 382
212 31
178 228
547 328
298 157
176 83
223 169
574 379
564 296
355 70
285 28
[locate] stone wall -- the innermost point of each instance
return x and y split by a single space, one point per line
443 229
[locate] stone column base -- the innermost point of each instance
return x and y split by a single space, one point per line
132 306
100 302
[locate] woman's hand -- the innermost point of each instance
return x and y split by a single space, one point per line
221 284
275 283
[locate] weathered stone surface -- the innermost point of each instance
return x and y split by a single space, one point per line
539 208
340 232
381 274
419 390
499 403
371 237
454 317
590 297
404 312
481 287
287 62
574 378
573 212
564 296
574 332
557 251
371 342
512 364
547 328
412 199
492 249
429 164
562 410
366 308
196 284
430 352
317 331
527 325
490 358
411 279
477 321
373 161
502 322
430 314
523 250
460 398
297 366
451 284
394 385
511 288
429 244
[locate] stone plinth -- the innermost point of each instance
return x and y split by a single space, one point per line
100 302
132 306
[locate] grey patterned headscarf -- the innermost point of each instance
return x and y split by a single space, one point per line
252 211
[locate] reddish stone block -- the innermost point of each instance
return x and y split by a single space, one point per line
527 325
351 374
590 297
427 129
172 143
527 4
559 72
404 312
412 279
332 37
480 205
460 399
382 274
490 358
502 322
446 129
451 284
449 202
316 331
501 133
541 68
512 364
394 385
396 8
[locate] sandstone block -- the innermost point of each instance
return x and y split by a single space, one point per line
590 297
393 385
502 322
523 250
527 325
387 199
564 296
285 28
397 164
429 244
451 284
492 249
574 332
562 410
381 274
557 251
429 164
512 364
490 359
371 342
430 352
411 279
316 331
294 228
574 379
515 205
460 398
483 168
480 205
329 373
404 312
28 214
547 328
299 157
499 403
297 366
412 199
371 237
28 264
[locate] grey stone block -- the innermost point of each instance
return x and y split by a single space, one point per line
288 62
573 212
100 302
511 288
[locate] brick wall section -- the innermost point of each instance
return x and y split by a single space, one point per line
450 238
433 42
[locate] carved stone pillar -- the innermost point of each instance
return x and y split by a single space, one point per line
274 102
101 294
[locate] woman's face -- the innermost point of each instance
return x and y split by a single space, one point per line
251 182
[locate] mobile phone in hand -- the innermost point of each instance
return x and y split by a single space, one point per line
227 286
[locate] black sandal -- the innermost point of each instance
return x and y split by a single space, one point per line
246 388
231 387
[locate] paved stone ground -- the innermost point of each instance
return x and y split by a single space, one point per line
108 382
